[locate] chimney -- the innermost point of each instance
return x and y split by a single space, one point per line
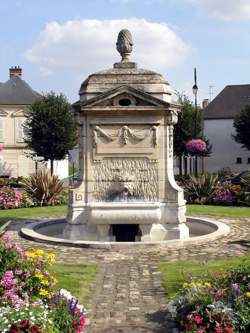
15 71
205 103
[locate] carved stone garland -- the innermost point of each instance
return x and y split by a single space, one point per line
124 133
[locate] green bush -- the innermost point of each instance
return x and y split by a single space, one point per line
200 189
43 187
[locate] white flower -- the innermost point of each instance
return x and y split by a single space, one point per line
65 293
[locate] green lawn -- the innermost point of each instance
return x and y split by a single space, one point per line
174 274
27 213
222 211
78 279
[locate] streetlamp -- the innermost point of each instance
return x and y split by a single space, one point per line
195 91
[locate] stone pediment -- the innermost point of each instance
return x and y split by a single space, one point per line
125 96
18 113
3 113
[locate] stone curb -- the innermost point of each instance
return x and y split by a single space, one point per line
30 233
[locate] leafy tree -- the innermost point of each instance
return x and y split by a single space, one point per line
242 125
50 127
184 130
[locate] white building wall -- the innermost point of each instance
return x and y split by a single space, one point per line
225 150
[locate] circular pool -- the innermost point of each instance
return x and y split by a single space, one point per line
53 231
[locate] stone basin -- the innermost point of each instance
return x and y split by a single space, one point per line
52 231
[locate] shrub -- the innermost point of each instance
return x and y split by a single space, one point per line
200 189
219 304
43 187
27 201
29 301
9 197
227 194
15 182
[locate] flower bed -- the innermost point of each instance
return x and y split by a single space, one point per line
29 301
13 198
214 304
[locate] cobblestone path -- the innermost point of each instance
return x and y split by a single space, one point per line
128 294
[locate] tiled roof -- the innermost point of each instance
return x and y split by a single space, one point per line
230 101
17 92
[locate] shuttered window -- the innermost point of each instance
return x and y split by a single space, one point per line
1 130
19 130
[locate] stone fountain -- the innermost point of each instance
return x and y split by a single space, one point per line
126 190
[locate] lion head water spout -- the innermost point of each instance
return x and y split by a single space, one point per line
123 189
126 118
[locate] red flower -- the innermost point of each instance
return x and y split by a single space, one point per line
218 330
25 324
190 326
14 329
197 319
228 329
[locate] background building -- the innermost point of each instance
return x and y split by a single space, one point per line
15 98
218 126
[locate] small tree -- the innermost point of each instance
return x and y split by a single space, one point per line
184 130
50 127
242 126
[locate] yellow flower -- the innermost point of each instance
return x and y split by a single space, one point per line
39 253
45 282
31 255
53 278
185 285
43 292
39 276
208 284
199 285
51 257
248 294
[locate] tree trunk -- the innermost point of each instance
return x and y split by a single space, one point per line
180 165
51 167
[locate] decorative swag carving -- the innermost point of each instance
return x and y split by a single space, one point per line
125 133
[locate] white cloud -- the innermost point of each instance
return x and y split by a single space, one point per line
225 9
87 45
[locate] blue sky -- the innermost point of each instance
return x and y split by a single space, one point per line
59 42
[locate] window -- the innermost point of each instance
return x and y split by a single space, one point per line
248 160
19 130
238 160
125 102
1 131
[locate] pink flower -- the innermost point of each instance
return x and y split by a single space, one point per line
235 287
218 330
27 275
6 237
18 272
196 146
197 319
